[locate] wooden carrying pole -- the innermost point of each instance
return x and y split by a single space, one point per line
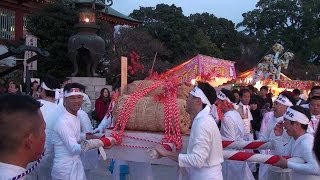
124 75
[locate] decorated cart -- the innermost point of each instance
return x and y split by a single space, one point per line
213 70
152 112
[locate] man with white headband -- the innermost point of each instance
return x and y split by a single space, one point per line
269 121
296 121
232 129
51 112
67 138
204 153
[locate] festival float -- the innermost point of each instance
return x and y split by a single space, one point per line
213 70
246 78
268 71
152 112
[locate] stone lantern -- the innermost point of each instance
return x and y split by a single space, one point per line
86 47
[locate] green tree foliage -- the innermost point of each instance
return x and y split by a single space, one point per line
53 25
188 36
128 39
295 24
221 32
176 37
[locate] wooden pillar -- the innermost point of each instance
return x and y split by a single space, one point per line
18 24
124 75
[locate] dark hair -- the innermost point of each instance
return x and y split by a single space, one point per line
229 94
83 88
102 90
52 83
254 100
251 87
315 98
19 116
296 92
34 82
64 80
15 84
314 88
209 91
235 91
69 86
242 91
304 111
289 95
264 87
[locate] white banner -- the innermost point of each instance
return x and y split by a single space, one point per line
31 41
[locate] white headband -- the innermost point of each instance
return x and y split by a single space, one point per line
57 91
73 92
284 100
197 92
222 96
297 116
44 86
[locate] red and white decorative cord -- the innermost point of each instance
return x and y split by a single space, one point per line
252 157
246 145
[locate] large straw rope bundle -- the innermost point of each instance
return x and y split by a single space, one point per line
148 115
183 89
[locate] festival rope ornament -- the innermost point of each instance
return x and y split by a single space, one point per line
246 145
243 156
259 158
29 170
172 139
127 109
171 115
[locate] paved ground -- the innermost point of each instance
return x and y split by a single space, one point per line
159 172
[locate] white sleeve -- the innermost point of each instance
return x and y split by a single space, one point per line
85 122
265 128
86 105
311 167
281 148
200 150
228 131
106 122
68 138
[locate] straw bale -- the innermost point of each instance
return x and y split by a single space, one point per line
148 115
183 89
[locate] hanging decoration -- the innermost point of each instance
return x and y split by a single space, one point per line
272 64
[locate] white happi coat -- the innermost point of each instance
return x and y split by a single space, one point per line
245 113
268 172
232 128
267 128
302 148
204 153
67 164
8 171
313 124
90 159
50 112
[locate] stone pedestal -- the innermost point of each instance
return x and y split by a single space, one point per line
93 86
